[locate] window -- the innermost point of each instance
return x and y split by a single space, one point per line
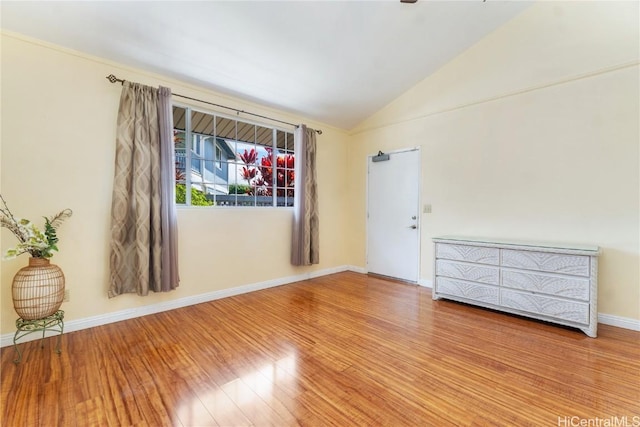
218 157
231 162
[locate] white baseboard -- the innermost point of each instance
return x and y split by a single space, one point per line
117 316
357 269
620 322
103 319
427 283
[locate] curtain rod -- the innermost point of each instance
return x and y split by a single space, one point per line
114 79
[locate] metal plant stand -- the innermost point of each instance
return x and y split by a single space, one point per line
55 322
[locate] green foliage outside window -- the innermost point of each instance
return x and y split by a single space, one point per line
239 189
198 198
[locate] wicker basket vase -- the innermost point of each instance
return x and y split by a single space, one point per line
38 289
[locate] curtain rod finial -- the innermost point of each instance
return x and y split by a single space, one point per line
114 79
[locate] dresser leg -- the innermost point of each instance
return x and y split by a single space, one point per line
591 332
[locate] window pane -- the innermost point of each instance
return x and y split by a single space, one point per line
249 154
225 128
180 154
201 123
264 152
285 163
179 115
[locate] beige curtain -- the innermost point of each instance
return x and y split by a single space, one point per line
143 225
305 244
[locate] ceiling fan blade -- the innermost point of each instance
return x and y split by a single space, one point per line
408 1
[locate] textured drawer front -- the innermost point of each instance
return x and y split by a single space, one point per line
546 284
577 265
471 291
573 311
475 273
468 253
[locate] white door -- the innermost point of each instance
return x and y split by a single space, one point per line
393 235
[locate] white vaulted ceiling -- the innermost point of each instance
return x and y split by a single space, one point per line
336 62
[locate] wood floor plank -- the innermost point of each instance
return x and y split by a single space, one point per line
221 407
345 350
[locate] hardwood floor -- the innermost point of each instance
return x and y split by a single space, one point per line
342 350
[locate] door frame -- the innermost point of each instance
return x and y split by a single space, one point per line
418 210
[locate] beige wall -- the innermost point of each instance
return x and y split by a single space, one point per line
58 133
530 134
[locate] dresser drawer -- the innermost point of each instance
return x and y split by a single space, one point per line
470 291
572 311
477 254
472 272
575 288
576 265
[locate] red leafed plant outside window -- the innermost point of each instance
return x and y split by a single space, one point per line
260 176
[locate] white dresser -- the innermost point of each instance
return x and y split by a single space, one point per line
556 283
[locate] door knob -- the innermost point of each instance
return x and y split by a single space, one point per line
413 227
